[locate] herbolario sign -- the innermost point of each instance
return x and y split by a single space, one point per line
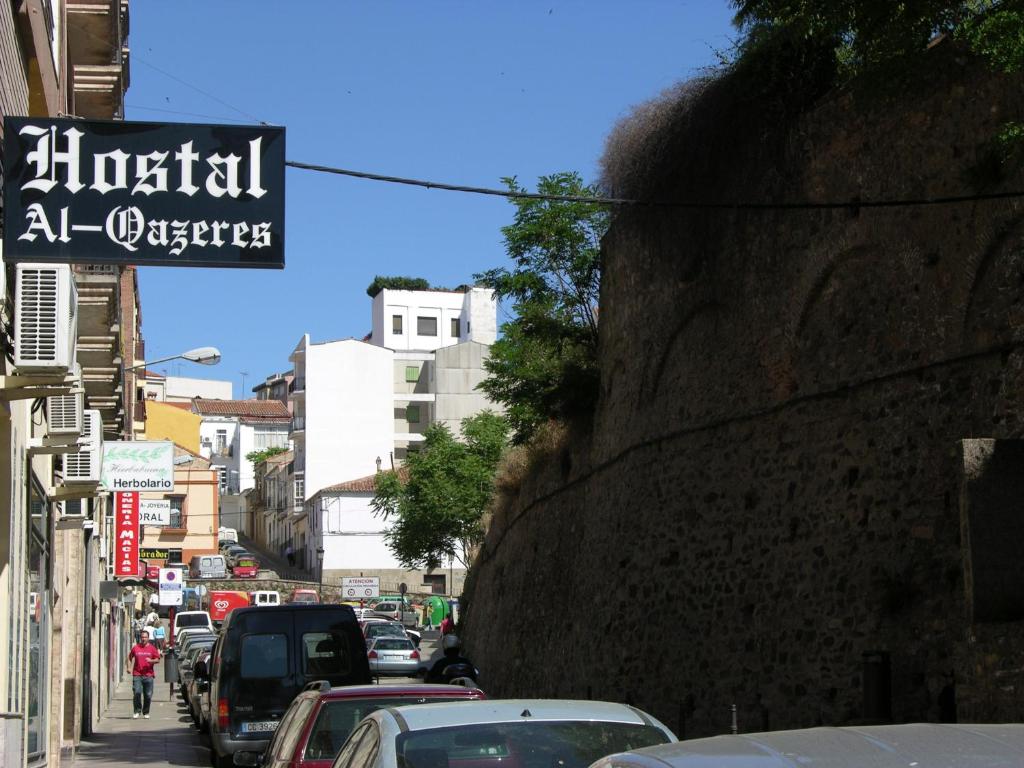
138 465
172 194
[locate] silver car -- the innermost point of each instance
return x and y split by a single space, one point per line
393 656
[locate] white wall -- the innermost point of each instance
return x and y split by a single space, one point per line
208 440
353 536
179 389
441 305
457 370
349 410
482 315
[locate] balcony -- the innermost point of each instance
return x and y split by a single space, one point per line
98 56
99 340
298 423
298 385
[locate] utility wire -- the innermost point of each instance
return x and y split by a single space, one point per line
693 205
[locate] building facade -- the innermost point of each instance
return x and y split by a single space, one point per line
359 406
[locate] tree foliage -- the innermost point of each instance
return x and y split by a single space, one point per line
864 34
257 456
436 510
380 282
545 364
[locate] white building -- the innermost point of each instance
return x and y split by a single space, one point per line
230 430
361 406
181 389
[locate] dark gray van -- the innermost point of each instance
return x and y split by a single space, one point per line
264 658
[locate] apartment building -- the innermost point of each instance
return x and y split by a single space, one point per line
359 406
277 386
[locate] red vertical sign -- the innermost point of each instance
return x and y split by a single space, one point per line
126 534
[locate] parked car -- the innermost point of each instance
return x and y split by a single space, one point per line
196 694
234 553
187 658
191 621
391 655
498 734
321 718
396 611
187 639
208 567
374 629
880 746
304 596
227 534
264 598
245 568
263 659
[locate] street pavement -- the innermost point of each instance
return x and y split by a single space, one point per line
167 738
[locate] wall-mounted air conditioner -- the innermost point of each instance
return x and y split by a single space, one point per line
45 318
65 415
83 466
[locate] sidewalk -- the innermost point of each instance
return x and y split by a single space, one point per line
167 738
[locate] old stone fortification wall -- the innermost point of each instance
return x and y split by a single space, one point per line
773 484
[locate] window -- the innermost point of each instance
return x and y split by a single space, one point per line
300 490
270 438
173 556
177 512
412 414
396 325
426 326
324 653
455 328
222 478
264 656
412 373
290 730
222 441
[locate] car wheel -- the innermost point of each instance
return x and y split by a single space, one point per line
221 761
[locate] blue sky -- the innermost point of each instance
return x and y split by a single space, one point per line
463 92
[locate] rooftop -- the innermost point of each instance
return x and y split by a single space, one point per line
272 410
366 484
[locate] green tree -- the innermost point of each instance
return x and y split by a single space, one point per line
545 365
380 282
437 506
257 456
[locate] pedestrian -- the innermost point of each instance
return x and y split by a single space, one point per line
142 658
428 617
159 633
152 619
447 625
138 624
290 554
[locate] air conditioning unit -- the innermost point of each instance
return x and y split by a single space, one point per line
45 318
83 466
65 414
73 508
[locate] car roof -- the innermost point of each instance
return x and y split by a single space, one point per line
429 716
881 746
382 691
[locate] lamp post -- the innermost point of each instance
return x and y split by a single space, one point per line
201 355
320 569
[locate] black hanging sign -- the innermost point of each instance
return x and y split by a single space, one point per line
171 194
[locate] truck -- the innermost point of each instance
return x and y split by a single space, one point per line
223 601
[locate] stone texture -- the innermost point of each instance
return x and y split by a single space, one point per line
772 487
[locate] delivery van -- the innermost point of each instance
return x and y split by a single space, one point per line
208 567
263 598
222 602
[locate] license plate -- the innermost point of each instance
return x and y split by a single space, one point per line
264 727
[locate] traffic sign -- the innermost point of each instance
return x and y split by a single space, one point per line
360 587
170 586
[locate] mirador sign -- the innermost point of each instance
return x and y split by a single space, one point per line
115 192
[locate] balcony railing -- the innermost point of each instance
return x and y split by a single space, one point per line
298 423
298 384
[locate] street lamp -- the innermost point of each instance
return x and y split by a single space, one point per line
201 355
320 568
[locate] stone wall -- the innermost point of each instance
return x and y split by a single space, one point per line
771 497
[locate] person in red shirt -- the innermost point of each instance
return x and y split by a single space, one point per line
141 660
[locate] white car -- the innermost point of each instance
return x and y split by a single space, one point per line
192 621
878 746
512 732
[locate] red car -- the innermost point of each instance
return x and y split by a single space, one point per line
245 568
321 718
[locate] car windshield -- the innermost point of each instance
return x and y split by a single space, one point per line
392 644
301 598
526 744
337 719
246 562
191 620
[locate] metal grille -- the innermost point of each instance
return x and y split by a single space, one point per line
37 320
65 414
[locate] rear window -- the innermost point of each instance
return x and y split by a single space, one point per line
567 744
378 630
264 656
337 719
304 597
392 644
325 653
191 620
246 562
